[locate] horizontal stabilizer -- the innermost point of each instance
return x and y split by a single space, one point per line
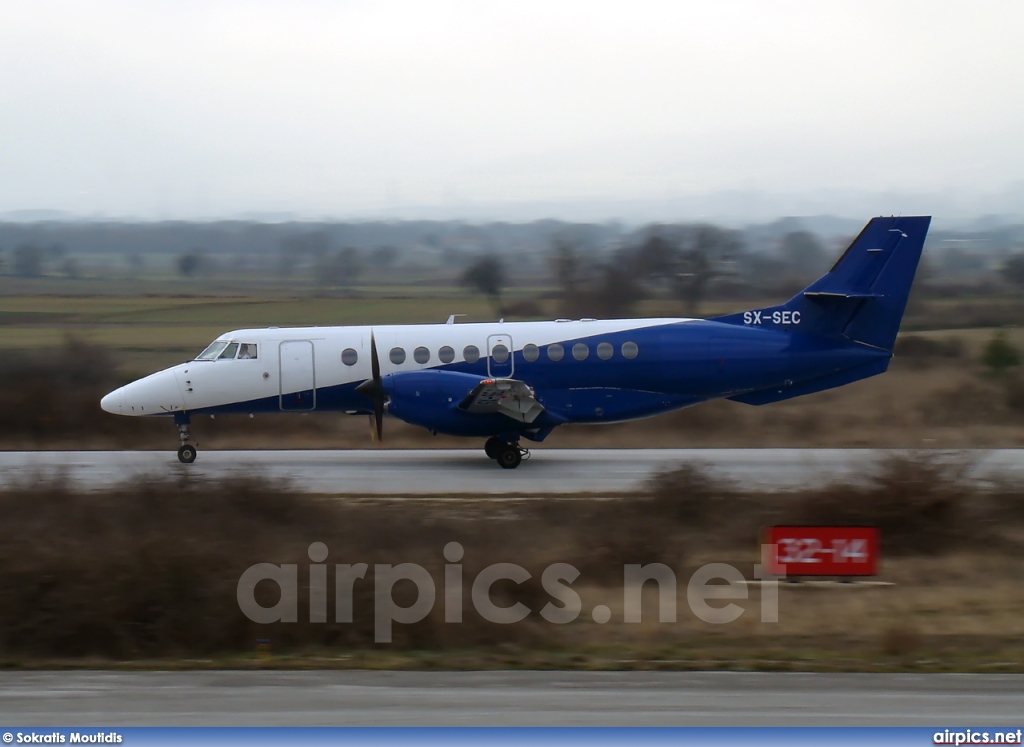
839 294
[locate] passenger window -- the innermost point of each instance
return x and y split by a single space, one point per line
471 353
629 350
446 354
349 357
531 353
397 356
421 355
605 351
555 352
499 353
229 352
580 351
247 351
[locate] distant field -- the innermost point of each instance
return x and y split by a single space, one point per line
155 329
149 328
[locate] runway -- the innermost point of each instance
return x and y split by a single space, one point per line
507 699
469 472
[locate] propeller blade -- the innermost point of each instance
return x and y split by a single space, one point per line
373 388
374 360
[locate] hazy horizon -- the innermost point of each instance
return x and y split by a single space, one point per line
574 110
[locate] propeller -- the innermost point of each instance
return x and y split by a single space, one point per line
373 389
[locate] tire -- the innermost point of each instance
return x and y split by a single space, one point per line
509 457
493 446
187 454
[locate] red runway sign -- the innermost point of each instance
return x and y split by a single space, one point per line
822 551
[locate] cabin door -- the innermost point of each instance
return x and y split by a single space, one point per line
298 381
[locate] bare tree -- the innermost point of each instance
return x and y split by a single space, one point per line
487 276
340 268
804 251
190 263
29 260
1013 270
383 257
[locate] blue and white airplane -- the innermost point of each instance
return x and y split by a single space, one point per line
511 381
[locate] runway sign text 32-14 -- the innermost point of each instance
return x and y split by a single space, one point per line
822 551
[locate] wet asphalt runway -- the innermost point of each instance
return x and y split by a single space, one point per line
507 698
469 472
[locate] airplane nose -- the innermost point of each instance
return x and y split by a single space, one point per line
113 402
156 394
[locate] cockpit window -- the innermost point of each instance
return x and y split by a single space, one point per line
211 353
229 352
247 351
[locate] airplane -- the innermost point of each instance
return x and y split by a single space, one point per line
512 381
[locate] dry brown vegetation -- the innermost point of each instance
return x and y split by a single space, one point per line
148 572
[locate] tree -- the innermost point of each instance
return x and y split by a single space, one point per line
593 288
29 260
686 259
340 268
384 256
297 250
487 276
190 263
657 256
70 267
694 274
709 252
1000 354
1013 269
803 250
617 288
136 263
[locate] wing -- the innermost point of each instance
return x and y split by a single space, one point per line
505 396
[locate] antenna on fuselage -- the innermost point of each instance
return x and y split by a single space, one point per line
451 318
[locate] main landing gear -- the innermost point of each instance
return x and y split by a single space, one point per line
186 452
508 454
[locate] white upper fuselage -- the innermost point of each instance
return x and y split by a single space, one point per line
207 385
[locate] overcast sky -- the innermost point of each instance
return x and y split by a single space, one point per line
195 109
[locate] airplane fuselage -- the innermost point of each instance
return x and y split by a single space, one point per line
583 371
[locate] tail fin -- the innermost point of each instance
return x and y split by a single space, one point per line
863 297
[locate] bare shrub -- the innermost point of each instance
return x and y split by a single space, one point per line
689 494
969 401
919 351
150 569
917 501
901 641
56 392
524 308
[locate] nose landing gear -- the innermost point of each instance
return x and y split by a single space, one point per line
186 452
507 454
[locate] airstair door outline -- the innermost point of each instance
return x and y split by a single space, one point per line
298 379
500 357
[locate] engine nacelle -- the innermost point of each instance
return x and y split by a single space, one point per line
431 399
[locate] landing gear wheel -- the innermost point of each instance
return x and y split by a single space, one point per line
493 447
187 454
510 456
